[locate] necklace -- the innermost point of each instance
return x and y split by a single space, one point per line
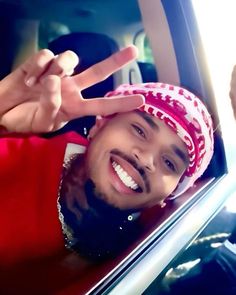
72 150
66 230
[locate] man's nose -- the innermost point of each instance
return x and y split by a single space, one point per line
145 158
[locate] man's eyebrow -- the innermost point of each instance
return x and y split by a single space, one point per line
179 153
149 120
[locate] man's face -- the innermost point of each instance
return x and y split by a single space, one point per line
135 160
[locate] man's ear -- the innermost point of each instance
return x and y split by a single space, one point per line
100 122
161 204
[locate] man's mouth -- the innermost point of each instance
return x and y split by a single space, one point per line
125 178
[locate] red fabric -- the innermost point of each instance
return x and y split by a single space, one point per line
30 170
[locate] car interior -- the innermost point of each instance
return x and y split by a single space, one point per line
171 51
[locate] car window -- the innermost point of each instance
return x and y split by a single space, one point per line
145 58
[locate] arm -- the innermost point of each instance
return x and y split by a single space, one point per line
39 96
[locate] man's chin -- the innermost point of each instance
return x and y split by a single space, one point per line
102 230
99 201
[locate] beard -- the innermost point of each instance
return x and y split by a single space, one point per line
99 229
100 207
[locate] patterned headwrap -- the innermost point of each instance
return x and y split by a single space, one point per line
186 115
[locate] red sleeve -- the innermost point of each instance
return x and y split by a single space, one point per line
30 170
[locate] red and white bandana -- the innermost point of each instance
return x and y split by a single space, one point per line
186 115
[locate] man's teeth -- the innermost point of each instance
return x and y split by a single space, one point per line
124 176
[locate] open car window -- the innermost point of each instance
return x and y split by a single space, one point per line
171 51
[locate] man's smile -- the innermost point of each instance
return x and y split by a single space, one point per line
126 176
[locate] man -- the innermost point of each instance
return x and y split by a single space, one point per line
68 191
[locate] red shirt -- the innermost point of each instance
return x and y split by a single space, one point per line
30 170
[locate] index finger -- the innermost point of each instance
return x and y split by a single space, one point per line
105 68
108 106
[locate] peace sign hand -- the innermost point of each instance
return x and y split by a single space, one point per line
40 96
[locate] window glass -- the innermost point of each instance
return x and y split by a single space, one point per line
145 58
195 270
145 51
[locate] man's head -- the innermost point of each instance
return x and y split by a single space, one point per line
142 157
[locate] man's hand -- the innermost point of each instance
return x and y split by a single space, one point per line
41 96
232 92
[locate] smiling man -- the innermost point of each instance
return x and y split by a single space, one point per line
157 151
134 160
140 157
79 193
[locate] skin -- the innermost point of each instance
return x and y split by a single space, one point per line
41 96
148 150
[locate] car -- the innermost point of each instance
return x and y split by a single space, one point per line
172 50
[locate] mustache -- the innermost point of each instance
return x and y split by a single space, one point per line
136 166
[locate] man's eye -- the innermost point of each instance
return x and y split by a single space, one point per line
170 165
139 130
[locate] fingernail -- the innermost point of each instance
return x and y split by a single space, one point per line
30 81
